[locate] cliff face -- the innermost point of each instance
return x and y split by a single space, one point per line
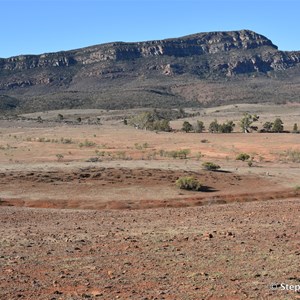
204 55
198 44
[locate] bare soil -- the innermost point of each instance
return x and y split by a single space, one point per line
231 251
105 219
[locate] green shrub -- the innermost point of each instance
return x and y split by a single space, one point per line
243 156
183 153
87 143
59 156
186 126
188 183
210 166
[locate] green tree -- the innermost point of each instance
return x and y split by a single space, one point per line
186 126
268 126
213 126
162 125
247 121
199 126
277 125
226 127
295 128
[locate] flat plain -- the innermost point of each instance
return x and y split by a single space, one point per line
90 209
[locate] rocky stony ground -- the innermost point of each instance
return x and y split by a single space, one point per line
231 251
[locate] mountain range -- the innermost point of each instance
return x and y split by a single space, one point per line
202 69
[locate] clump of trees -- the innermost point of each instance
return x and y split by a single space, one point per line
276 126
150 121
188 127
215 127
160 121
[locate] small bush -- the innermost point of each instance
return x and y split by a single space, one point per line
188 183
59 156
243 156
210 166
66 141
87 143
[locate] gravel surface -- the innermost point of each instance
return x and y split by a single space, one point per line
230 251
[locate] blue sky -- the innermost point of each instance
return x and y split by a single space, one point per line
39 26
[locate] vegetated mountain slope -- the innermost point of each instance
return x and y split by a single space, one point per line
205 68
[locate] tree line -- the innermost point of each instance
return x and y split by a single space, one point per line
157 122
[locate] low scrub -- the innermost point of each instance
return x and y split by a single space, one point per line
87 143
291 156
189 183
181 154
210 166
243 156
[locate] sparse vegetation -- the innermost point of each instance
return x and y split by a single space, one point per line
87 143
290 156
181 154
188 183
143 146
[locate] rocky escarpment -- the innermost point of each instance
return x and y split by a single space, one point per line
213 55
197 44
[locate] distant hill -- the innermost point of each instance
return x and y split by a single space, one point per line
200 69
